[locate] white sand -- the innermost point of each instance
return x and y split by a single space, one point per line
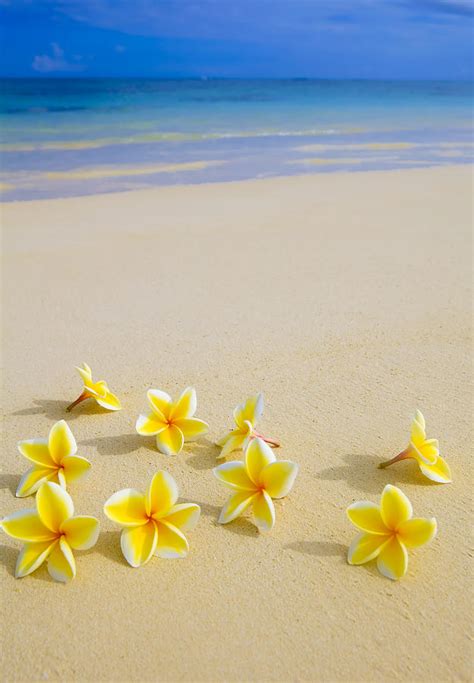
346 299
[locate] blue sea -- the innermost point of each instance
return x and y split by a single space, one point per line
70 137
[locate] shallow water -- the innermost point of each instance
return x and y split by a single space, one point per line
65 137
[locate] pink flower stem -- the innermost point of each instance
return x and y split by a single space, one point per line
270 442
78 400
401 456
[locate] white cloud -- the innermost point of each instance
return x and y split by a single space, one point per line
56 61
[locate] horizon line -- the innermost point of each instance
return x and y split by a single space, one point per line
64 77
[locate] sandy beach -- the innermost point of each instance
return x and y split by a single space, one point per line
346 298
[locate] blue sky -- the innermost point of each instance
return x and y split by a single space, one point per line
237 38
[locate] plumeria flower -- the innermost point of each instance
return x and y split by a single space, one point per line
425 452
54 460
153 522
387 531
255 482
171 423
246 416
51 533
99 391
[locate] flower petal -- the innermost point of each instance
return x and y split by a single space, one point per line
127 507
235 506
420 419
170 441
61 441
75 467
32 480
366 516
61 562
191 427
150 425
162 494
263 511
365 547
109 401
32 556
97 389
430 449
183 516
85 373
54 505
278 478
81 532
138 543
234 475
90 392
417 531
257 456
438 472
37 451
224 439
61 479
251 410
392 561
160 402
186 404
26 526
418 434
232 442
172 543
395 507
423 453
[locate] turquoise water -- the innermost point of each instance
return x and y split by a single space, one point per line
63 137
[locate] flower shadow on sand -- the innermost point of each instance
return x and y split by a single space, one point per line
120 445
327 549
10 482
203 454
362 474
241 526
319 548
108 545
8 558
56 410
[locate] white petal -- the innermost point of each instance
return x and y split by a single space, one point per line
61 441
264 511
257 456
139 543
235 506
160 403
61 562
186 404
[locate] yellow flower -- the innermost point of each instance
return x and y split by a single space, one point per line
54 460
425 452
387 531
152 522
171 423
51 532
246 416
255 482
99 391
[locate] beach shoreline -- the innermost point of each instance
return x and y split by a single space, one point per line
82 137
345 298
172 175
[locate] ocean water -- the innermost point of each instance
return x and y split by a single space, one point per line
66 137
